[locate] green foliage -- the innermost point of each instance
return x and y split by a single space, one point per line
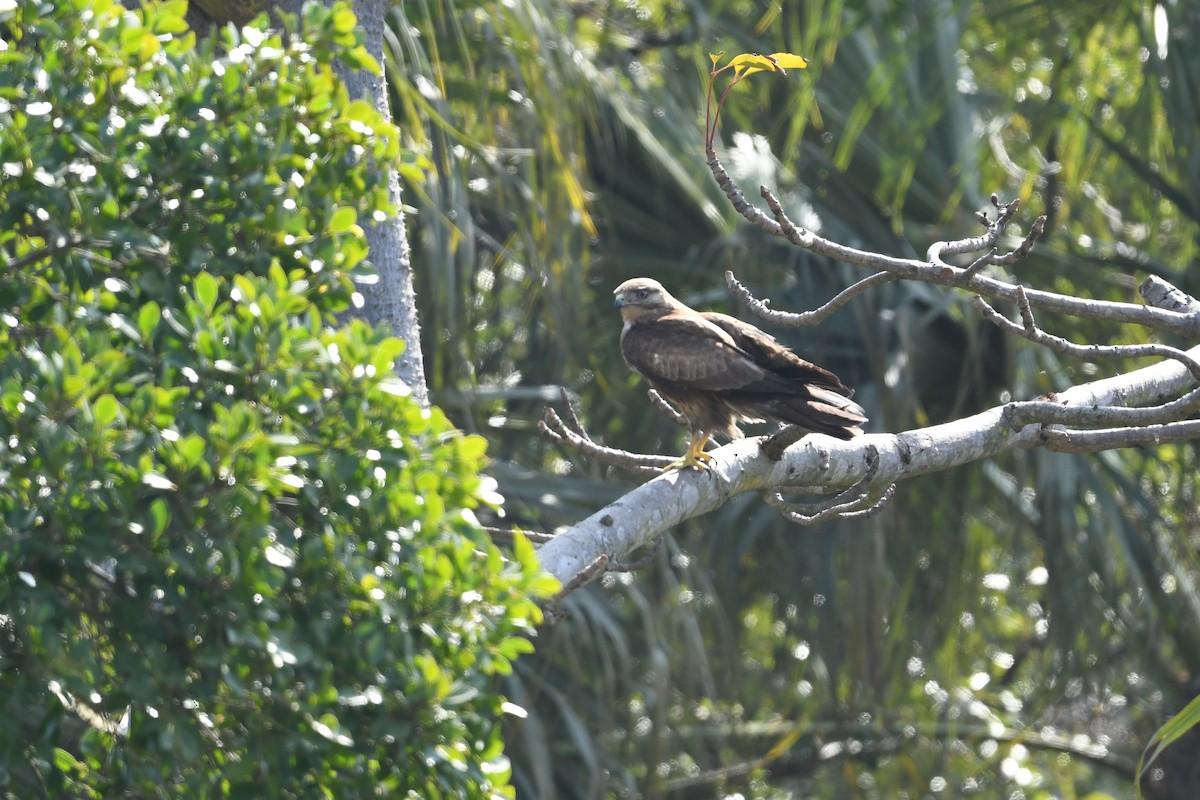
929 646
237 559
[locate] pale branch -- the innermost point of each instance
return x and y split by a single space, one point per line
642 515
582 577
1029 330
1066 440
1051 412
553 428
874 509
911 269
762 310
859 508
858 500
750 213
773 446
571 433
1183 324
1161 294
1005 212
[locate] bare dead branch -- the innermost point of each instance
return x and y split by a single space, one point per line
1140 407
1161 294
571 433
872 510
552 427
858 507
580 579
637 518
761 309
1030 330
1186 325
939 250
1035 232
750 213
773 446
1045 412
848 499
1075 441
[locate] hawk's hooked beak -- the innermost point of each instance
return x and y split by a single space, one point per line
619 299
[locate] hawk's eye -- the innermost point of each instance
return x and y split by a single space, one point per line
642 293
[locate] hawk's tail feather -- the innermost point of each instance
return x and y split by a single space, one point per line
843 420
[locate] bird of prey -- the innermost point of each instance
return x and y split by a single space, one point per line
718 370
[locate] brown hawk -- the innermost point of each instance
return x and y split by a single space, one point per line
718 370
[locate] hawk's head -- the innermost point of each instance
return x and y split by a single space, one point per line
642 298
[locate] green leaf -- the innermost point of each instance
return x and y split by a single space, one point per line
360 58
344 20
385 353
205 287
160 515
361 111
1167 735
343 218
65 762
473 447
105 409
147 319
191 448
170 17
244 290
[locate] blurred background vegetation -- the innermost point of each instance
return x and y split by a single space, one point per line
1015 629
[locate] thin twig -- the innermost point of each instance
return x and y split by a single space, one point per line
975 266
1029 330
854 509
872 510
571 433
572 417
851 500
585 576
553 428
910 269
939 250
751 213
761 309
1074 441
1035 232
773 446
1045 412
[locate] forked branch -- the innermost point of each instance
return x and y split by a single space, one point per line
1142 407
944 274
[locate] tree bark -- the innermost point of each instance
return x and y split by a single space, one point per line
391 299
643 514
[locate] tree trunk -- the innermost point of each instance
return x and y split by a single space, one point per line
391 299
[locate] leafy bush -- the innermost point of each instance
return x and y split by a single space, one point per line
237 559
